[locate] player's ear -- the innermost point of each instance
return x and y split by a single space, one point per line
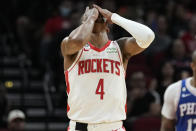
192 66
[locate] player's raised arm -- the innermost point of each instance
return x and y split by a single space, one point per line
142 35
80 36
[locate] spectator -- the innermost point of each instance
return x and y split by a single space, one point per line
59 22
179 58
151 20
170 9
54 25
16 120
140 99
189 38
162 40
26 37
165 77
179 21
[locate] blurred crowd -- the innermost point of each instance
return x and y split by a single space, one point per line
36 28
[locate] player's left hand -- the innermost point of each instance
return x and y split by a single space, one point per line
106 13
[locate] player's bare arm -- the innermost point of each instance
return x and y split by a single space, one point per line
78 37
167 124
130 46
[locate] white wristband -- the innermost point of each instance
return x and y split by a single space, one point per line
143 34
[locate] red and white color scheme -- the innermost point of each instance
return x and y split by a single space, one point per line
96 85
113 126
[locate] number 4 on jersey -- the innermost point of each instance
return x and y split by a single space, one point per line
100 89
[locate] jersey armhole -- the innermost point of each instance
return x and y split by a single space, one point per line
75 61
178 100
120 56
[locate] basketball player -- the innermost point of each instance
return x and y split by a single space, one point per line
179 108
95 70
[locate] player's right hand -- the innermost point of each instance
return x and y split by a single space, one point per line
106 13
91 13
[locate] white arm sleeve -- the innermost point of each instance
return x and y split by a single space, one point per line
143 34
171 98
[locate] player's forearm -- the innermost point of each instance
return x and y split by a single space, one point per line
83 32
143 34
78 38
167 124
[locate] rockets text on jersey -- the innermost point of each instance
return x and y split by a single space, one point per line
96 85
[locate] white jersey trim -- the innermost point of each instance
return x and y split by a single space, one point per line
120 56
76 60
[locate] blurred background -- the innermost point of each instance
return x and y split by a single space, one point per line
31 66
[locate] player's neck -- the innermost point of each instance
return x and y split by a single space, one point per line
99 39
193 81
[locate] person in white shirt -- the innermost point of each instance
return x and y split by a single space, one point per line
179 108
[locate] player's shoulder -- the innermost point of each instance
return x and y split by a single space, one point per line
173 89
175 85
